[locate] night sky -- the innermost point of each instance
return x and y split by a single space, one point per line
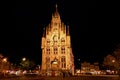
94 32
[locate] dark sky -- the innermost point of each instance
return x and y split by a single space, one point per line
94 32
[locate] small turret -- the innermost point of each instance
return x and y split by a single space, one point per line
44 32
56 15
68 33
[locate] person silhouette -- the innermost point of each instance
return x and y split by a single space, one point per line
63 75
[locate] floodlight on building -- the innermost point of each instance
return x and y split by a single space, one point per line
55 62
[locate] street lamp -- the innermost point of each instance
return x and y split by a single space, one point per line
23 59
23 65
3 65
113 61
4 59
39 68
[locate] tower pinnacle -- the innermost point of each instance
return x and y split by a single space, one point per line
55 15
56 10
56 6
68 33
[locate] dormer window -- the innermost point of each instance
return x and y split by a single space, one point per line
48 41
62 40
63 50
48 50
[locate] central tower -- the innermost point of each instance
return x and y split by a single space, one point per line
57 54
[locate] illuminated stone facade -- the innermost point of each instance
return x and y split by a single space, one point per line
56 47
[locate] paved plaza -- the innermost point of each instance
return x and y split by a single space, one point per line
82 77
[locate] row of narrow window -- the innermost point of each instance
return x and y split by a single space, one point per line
56 41
56 51
63 65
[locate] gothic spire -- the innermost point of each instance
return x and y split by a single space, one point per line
44 32
56 6
56 15
56 11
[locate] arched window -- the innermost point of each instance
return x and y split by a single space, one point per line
55 50
62 50
48 41
63 62
55 38
62 40
47 50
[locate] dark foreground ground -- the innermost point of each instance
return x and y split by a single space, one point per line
82 77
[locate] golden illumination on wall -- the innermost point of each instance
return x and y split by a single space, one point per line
56 45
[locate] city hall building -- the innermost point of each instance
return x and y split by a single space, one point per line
57 56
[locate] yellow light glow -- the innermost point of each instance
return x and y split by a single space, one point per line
24 59
54 62
5 60
113 60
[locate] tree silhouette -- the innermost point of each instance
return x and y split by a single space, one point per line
116 54
27 64
110 63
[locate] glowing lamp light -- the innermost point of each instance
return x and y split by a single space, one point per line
113 60
24 59
55 62
5 60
